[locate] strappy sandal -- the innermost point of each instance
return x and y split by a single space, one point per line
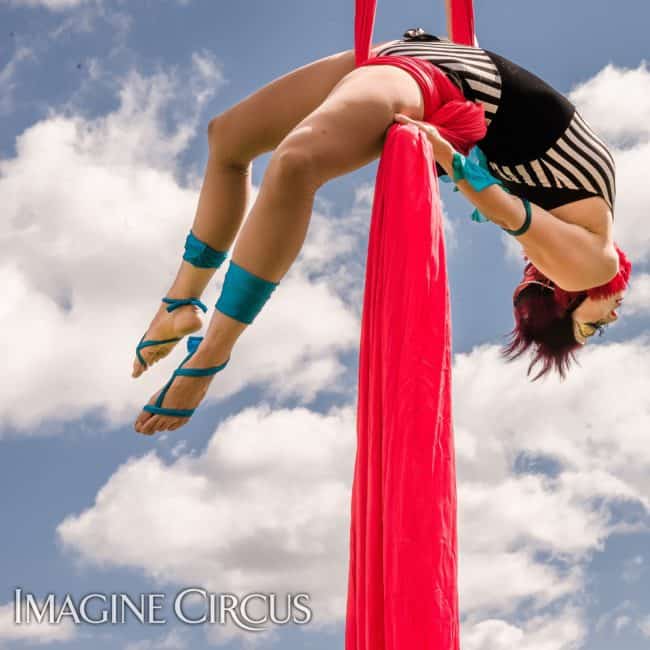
157 408
173 303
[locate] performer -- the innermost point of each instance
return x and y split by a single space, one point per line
560 184
552 186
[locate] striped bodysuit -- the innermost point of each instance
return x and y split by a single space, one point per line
537 143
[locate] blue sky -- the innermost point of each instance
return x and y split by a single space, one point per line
104 107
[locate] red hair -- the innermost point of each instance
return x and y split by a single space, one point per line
543 317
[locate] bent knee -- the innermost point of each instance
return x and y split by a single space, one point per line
294 163
224 143
215 128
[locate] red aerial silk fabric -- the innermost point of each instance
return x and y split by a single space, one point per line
402 581
461 21
364 20
459 12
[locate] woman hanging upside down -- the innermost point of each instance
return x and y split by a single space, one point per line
550 183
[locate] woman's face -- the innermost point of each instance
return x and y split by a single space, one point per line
593 313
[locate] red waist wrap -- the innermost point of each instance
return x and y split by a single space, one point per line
459 120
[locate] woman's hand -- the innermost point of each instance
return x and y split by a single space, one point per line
442 150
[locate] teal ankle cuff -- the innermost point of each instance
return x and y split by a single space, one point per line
243 294
201 255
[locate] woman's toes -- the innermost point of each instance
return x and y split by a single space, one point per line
151 425
171 424
141 421
146 421
150 356
138 369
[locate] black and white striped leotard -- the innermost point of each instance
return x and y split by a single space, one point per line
537 143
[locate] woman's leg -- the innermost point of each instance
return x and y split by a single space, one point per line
344 133
253 126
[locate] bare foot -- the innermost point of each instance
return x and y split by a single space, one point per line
184 392
166 325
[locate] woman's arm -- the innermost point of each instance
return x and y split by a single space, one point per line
574 257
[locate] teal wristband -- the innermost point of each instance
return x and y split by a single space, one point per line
526 225
467 170
474 169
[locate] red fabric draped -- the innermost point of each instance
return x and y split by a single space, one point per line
402 581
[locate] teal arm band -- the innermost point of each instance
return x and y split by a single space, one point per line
243 294
526 225
201 255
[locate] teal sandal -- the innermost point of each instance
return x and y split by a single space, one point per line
173 303
157 408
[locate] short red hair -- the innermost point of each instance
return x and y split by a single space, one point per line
543 317
542 325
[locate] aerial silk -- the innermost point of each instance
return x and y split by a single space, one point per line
460 18
402 581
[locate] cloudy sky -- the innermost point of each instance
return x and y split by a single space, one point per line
104 107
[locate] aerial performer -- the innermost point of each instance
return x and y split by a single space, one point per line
426 106
538 171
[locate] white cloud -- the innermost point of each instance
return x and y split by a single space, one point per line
514 252
589 426
562 631
633 569
53 5
9 77
637 299
618 619
266 506
19 88
96 211
644 626
263 508
633 202
172 641
32 632
85 18
616 102
621 622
